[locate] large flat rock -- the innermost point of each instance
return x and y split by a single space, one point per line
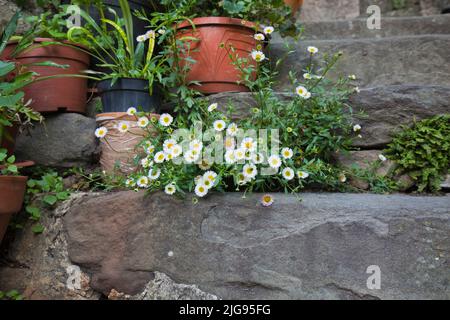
385 108
390 27
62 140
419 59
316 248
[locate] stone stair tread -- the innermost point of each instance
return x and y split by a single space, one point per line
414 59
390 26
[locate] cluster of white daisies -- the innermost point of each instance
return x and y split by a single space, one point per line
258 55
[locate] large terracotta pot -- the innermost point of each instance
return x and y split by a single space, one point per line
12 191
58 94
213 68
294 4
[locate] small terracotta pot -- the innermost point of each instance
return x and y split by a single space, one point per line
12 191
8 141
59 94
119 149
213 68
294 4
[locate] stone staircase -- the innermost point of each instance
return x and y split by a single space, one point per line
227 247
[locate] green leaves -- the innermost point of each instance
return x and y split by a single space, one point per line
423 151
50 199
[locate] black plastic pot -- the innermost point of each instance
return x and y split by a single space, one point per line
126 93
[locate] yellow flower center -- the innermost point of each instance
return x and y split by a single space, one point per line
267 199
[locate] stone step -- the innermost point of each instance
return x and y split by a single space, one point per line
385 108
390 27
422 59
161 247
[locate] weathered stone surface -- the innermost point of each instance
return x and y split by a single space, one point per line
364 160
445 185
38 265
9 8
386 108
319 10
63 140
390 27
385 61
233 248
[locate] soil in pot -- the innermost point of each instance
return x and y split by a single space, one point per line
126 93
118 149
58 94
214 69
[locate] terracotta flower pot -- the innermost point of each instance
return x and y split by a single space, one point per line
213 68
294 4
12 191
58 94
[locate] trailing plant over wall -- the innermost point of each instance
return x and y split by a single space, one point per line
423 151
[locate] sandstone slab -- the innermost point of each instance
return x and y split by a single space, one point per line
62 140
232 248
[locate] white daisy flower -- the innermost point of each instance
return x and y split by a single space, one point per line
149 149
207 183
130 183
274 161
165 120
196 145
356 128
267 200
248 144
229 143
143 122
232 129
307 76
249 171
101 132
168 145
302 91
212 107
307 95
150 34
219 125
357 90
288 173
210 175
230 157
123 127
141 38
201 190
342 178
241 179
162 31
259 37
176 151
131 111
142 182
239 154
248 155
258 56
312 50
382 158
159 157
287 153
191 156
204 165
145 163
352 77
302 174
268 30
170 189
154 174
257 158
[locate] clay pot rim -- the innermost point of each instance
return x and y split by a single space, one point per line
119 116
39 40
13 178
227 21
22 164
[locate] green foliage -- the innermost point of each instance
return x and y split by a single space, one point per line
10 295
7 166
266 12
378 183
423 151
44 192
